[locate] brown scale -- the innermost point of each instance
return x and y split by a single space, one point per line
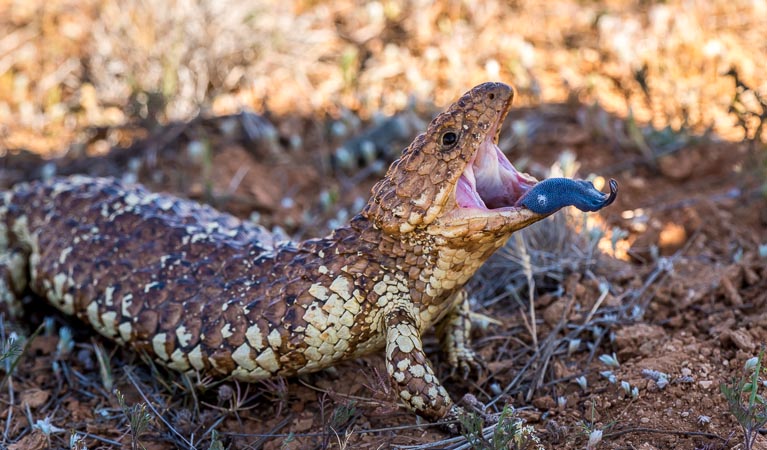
202 291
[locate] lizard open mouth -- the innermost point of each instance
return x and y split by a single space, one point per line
490 181
490 185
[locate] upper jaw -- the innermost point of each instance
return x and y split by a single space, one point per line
490 183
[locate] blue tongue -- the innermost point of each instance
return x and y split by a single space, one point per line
552 194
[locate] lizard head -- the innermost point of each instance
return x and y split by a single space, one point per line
454 181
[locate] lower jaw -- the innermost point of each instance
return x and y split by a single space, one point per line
502 195
491 182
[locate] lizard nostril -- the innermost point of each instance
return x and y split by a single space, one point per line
491 96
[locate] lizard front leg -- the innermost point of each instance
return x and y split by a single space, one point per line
13 281
454 334
410 370
9 302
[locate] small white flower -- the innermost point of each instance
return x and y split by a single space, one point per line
572 346
47 427
582 382
751 364
65 344
610 360
195 151
609 375
595 437
660 378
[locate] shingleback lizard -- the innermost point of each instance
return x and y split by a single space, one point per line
201 291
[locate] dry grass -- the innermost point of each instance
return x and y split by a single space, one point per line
68 65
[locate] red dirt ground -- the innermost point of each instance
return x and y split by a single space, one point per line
705 312
679 284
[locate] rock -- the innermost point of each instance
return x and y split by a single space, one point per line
647 446
33 441
553 313
34 397
641 338
740 338
545 403
671 238
679 166
730 292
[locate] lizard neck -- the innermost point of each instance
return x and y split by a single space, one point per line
431 267
449 267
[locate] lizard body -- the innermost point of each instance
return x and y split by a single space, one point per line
201 291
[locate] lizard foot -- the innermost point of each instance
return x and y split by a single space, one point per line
465 363
452 422
472 404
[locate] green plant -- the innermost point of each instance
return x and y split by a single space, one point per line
138 419
509 432
748 407
11 350
341 420
215 441
749 108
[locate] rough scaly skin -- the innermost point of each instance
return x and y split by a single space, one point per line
202 291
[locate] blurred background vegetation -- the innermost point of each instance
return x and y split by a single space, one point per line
68 67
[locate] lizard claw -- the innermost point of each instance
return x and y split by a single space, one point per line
471 403
467 363
452 422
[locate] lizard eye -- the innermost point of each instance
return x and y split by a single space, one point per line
449 139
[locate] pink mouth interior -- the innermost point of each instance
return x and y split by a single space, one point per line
490 181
